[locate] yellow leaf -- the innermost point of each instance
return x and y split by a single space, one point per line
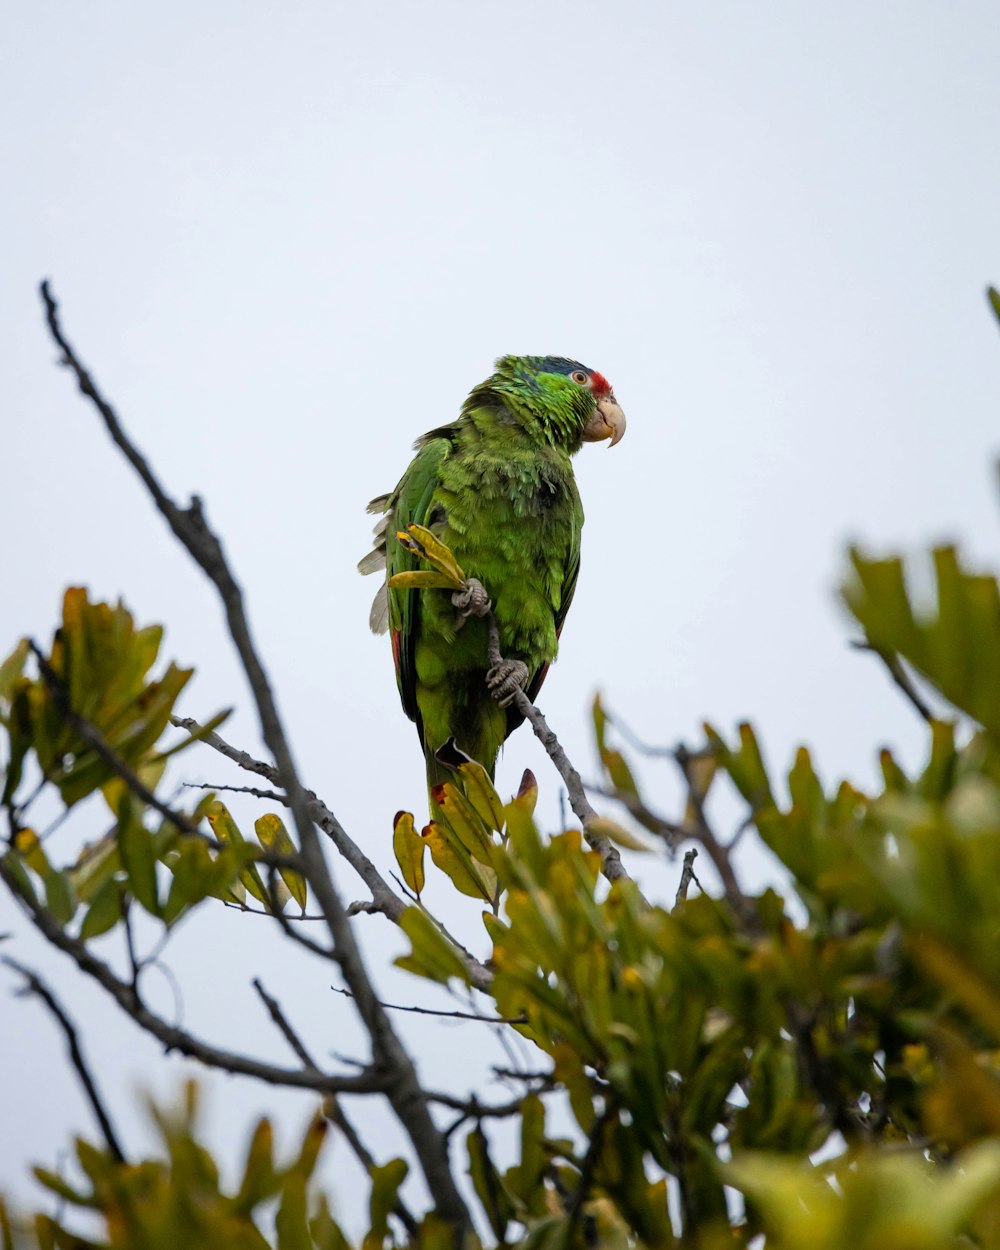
273 836
10 669
432 955
27 845
481 794
462 819
456 863
227 830
527 793
421 579
423 544
408 847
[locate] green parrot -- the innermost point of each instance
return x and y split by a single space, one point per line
497 487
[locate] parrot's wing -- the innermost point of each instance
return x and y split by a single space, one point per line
410 504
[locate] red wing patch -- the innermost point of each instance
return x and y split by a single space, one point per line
397 644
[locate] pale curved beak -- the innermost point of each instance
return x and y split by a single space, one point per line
608 421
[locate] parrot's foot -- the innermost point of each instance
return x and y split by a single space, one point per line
506 679
472 599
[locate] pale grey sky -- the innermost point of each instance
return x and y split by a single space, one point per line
289 238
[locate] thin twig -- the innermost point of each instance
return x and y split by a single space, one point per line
272 795
637 743
899 675
35 985
706 836
279 1018
171 1036
588 1167
258 911
397 1073
278 912
448 1015
331 1104
472 1108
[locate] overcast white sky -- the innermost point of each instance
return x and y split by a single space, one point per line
289 238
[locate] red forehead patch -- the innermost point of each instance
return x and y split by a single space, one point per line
599 384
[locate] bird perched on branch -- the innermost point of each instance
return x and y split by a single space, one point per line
496 486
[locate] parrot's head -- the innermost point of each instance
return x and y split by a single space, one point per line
562 400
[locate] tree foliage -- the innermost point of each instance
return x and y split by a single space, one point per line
815 1064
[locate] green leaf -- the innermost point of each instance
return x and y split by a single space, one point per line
488 1184
104 912
745 766
59 898
12 668
994 299
956 646
20 732
19 874
525 1179
386 1181
431 954
62 1188
96 862
260 1178
149 771
408 847
325 1230
135 846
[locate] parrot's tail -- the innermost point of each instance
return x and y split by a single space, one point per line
442 765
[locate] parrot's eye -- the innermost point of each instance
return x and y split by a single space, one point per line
579 376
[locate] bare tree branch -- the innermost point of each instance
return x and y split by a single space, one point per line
369 1080
331 1104
191 528
472 1109
35 985
714 848
588 1167
278 1016
687 876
